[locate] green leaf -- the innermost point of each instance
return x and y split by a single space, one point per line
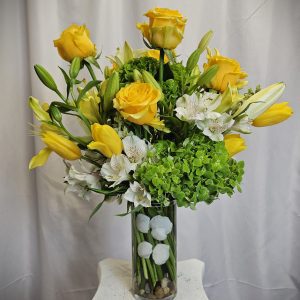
206 77
96 209
90 85
67 80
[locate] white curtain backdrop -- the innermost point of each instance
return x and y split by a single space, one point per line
249 243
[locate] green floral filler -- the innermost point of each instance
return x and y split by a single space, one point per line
193 171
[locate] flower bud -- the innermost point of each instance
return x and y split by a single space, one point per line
137 76
75 67
112 88
45 77
234 144
55 114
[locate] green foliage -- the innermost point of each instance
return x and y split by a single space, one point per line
149 64
171 90
195 170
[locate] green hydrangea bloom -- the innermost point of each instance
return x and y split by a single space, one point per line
195 170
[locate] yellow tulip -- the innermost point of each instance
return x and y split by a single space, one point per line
165 28
137 102
234 144
106 140
75 42
277 113
229 72
89 106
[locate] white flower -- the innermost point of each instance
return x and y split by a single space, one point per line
117 169
242 125
138 195
144 249
198 106
135 148
213 128
142 223
79 181
161 254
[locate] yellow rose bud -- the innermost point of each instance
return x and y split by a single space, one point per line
137 102
229 72
75 42
60 145
106 140
277 113
234 144
165 28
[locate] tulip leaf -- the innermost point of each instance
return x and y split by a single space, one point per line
67 80
90 85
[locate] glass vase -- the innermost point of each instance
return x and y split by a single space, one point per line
154 258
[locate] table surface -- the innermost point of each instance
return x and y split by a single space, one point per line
115 280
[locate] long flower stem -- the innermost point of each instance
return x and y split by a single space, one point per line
161 66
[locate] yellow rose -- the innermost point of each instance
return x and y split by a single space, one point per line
75 42
106 140
165 28
137 102
277 113
234 144
229 72
154 53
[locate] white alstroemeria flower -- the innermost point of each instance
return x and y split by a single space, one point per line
161 254
144 249
142 223
138 195
243 125
117 169
213 128
135 148
78 182
198 106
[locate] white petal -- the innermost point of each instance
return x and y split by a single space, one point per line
161 253
159 234
135 148
161 222
142 223
144 249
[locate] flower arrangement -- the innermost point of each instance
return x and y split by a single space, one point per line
155 129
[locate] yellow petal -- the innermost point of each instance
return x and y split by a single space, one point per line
277 113
101 147
234 144
38 110
40 159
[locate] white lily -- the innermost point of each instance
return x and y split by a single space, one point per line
261 101
242 125
138 195
213 128
117 169
198 106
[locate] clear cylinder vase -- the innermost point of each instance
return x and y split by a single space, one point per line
154 257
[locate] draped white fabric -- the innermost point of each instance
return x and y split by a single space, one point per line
249 243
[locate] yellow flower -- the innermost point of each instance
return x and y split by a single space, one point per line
39 110
89 106
277 113
106 140
154 53
229 72
137 102
58 144
234 144
165 28
75 42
